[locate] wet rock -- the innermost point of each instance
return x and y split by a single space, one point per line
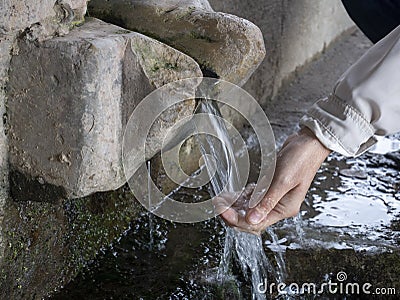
70 98
6 43
224 44
395 158
49 242
312 265
354 173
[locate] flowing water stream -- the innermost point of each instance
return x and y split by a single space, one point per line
245 248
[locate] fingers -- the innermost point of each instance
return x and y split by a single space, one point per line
288 207
223 202
233 214
236 220
230 216
276 192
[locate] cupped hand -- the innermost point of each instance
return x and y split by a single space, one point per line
297 163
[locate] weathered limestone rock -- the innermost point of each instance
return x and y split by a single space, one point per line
18 15
69 99
40 19
225 44
5 56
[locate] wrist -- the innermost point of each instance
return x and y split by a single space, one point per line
306 134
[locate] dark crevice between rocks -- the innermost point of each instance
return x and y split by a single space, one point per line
208 72
25 188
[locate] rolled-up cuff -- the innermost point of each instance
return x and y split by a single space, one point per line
339 126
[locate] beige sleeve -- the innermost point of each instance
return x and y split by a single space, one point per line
365 101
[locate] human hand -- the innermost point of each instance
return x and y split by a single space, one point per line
297 163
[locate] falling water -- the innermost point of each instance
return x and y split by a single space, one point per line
247 249
151 226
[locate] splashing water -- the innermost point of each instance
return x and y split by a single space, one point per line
247 249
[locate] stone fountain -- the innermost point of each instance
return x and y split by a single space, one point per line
72 72
68 86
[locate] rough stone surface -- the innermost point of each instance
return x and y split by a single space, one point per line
18 15
39 19
70 98
294 32
5 56
49 242
227 45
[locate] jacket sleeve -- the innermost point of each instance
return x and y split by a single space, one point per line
365 101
